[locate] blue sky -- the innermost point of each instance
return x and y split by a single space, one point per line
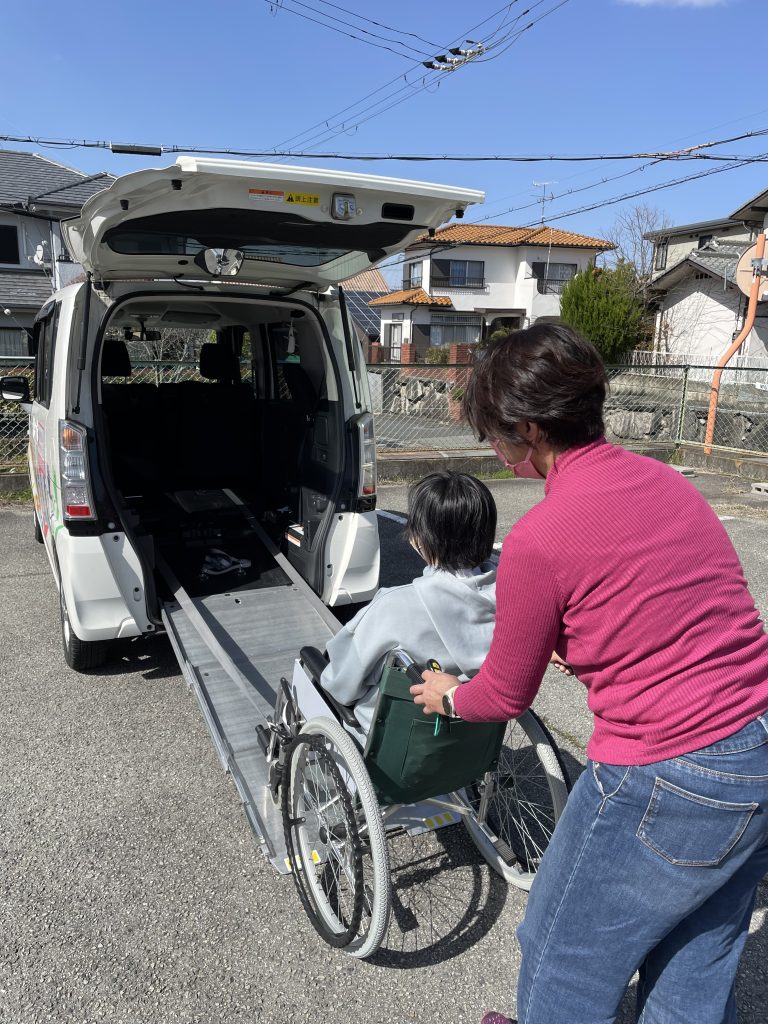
595 76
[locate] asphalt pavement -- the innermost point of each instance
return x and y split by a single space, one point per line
132 889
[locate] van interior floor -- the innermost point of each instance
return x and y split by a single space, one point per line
209 543
235 637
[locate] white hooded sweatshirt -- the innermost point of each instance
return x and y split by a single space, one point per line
442 615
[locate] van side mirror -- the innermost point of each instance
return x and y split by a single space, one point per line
14 389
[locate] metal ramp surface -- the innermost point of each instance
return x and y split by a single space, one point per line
233 648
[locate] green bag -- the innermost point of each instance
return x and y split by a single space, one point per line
411 756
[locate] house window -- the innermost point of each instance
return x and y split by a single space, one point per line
552 277
13 342
413 276
9 244
660 261
704 240
458 274
455 329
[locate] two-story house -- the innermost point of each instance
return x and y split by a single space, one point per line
699 308
469 280
36 194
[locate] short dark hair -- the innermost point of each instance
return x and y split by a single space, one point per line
547 374
452 520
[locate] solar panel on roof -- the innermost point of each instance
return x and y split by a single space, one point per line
368 319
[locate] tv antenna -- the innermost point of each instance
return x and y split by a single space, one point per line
544 197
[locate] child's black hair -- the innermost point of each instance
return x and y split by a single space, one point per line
452 520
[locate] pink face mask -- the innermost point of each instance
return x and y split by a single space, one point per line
525 469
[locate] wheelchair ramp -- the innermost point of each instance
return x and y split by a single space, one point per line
233 649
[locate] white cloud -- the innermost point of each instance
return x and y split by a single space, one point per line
676 3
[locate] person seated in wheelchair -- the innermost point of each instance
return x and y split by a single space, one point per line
446 614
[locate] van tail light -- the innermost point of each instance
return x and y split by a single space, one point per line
76 500
366 488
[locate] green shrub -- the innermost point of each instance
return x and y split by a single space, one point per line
604 306
436 354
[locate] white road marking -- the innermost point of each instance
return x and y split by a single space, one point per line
725 519
390 515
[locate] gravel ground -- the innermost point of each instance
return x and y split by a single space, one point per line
132 890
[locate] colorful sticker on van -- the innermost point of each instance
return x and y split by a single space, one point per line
42 494
302 198
266 195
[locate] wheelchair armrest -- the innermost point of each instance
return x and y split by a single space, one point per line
314 662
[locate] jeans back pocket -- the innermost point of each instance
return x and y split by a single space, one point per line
691 830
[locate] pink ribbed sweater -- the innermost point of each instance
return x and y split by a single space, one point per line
626 571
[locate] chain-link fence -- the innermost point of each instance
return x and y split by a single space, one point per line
417 407
13 420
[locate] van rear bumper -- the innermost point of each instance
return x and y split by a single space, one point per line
103 586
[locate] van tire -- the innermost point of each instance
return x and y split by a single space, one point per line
81 655
38 531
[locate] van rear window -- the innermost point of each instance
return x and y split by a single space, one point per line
140 243
262 236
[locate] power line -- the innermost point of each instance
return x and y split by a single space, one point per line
410 88
762 157
611 201
530 25
389 28
280 5
679 155
381 88
568 192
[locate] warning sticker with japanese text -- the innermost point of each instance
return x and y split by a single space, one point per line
302 198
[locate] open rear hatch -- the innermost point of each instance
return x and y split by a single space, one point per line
289 226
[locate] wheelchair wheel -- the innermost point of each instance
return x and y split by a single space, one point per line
520 802
335 839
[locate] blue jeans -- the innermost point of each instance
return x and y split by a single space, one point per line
651 868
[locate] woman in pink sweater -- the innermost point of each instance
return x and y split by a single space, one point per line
629 575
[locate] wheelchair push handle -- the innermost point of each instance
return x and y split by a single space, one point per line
413 671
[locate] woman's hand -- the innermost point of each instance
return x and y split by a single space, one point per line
430 692
562 666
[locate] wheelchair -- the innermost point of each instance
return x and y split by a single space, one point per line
343 794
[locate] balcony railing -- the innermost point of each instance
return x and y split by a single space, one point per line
475 283
550 286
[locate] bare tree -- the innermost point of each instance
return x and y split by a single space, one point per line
627 234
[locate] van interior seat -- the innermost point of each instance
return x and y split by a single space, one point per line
131 411
285 445
210 427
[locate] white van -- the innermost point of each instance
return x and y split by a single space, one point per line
145 474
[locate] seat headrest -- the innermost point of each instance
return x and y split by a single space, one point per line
115 361
216 362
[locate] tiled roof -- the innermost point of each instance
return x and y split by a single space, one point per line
28 176
501 234
411 297
25 289
753 210
719 260
367 281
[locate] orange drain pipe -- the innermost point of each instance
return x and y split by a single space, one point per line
736 344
